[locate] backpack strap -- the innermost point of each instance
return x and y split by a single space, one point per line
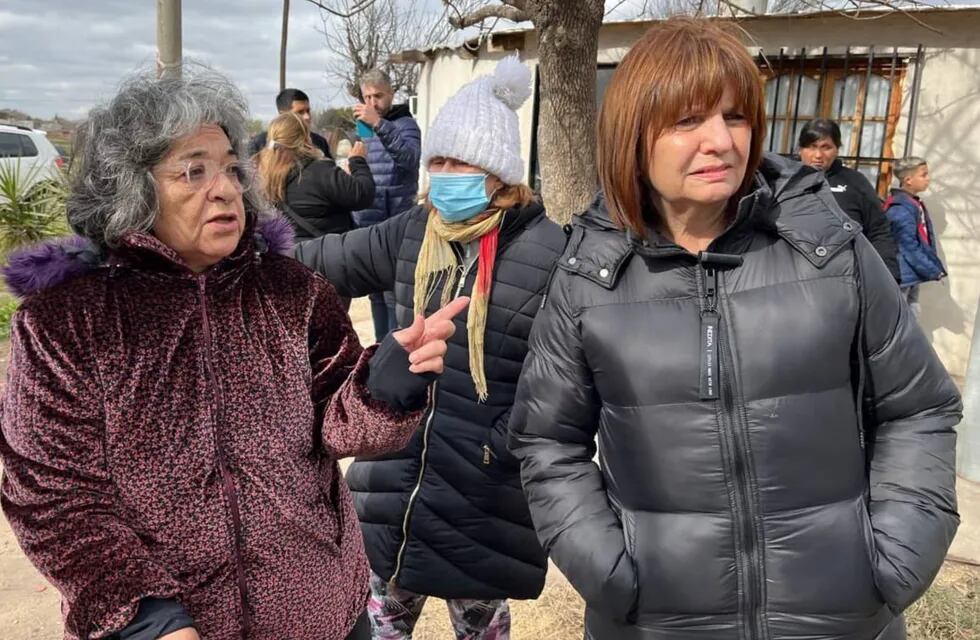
298 220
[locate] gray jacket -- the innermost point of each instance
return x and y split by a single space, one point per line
738 491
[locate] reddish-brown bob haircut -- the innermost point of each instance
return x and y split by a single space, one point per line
680 67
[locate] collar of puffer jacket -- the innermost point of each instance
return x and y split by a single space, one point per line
49 264
790 200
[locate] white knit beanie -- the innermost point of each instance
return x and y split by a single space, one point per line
479 125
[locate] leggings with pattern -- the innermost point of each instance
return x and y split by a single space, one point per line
394 612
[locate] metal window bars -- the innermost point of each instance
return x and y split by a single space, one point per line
832 70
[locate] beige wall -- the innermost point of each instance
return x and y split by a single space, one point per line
947 130
947 134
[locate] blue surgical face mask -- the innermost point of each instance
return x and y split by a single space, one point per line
458 196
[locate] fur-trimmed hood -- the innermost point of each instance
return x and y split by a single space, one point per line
49 264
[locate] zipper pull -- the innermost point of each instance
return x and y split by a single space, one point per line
486 454
709 336
709 355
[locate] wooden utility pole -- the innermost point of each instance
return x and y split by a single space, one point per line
169 42
282 46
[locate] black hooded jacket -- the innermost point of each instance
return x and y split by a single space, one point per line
739 492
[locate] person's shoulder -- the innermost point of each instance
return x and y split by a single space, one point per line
545 232
899 200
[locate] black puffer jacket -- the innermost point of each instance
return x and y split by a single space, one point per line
323 195
753 505
446 515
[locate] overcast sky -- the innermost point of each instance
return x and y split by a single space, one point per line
64 56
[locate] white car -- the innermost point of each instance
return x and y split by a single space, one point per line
29 153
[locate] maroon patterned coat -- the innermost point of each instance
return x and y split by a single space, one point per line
176 435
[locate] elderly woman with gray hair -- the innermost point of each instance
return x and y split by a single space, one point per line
179 392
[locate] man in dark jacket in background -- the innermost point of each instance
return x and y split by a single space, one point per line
299 103
394 145
820 142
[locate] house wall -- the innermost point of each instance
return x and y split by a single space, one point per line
947 130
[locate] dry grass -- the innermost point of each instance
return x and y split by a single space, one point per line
949 611
556 615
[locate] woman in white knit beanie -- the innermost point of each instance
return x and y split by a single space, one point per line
446 516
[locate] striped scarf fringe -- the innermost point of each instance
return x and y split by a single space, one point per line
437 264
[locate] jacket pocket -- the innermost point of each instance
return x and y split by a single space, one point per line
628 522
871 549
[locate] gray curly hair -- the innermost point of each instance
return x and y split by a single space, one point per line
113 192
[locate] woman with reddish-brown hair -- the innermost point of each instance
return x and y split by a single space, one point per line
775 434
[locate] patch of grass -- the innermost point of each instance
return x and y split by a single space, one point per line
950 610
7 307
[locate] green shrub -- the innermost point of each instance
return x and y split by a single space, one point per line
7 307
30 210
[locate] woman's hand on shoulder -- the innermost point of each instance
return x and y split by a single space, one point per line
425 340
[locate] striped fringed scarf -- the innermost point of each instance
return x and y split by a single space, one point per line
437 262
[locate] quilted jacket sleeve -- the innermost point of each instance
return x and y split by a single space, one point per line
904 225
57 493
553 427
402 140
352 421
359 262
914 407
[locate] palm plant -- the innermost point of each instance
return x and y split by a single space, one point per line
31 210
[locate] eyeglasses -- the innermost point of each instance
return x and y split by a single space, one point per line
199 175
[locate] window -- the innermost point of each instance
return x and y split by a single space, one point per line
27 148
862 93
10 145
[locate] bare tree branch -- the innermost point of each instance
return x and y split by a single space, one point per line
614 8
370 38
505 12
350 12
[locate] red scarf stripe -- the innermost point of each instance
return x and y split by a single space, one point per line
488 253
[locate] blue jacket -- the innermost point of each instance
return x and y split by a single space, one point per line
917 260
393 155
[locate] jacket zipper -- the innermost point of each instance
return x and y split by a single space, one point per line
227 481
736 445
425 449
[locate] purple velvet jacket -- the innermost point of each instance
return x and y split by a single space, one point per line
173 435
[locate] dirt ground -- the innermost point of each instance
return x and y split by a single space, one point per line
30 607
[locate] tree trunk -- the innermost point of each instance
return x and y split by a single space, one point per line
282 45
568 36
